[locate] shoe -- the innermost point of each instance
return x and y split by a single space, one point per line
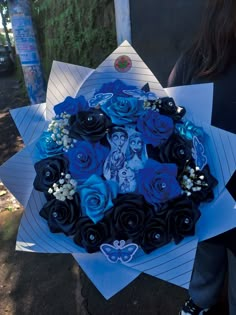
190 308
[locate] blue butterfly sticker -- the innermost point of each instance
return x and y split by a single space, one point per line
198 153
141 94
99 99
119 251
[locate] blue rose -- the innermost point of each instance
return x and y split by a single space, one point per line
157 182
46 147
123 110
71 105
86 159
96 197
117 87
155 128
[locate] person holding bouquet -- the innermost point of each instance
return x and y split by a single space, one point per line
212 58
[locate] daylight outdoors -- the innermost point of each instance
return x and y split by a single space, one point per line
114 164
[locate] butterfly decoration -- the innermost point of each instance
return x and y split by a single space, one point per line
198 153
141 94
99 99
119 251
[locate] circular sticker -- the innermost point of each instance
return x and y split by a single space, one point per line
123 63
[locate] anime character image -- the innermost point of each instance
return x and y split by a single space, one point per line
128 155
136 154
117 139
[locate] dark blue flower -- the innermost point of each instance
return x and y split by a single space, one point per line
62 216
46 147
86 159
157 182
71 105
91 125
123 110
115 87
155 128
48 172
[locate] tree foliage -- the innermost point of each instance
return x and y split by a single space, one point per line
74 31
4 12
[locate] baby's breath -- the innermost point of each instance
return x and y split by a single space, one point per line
192 180
60 133
64 189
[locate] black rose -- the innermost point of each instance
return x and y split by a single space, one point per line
62 216
48 172
166 106
176 150
202 183
90 235
207 184
90 125
156 232
182 215
128 216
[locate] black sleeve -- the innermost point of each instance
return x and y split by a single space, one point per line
176 77
227 239
182 72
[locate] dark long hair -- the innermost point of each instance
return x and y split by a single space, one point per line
212 51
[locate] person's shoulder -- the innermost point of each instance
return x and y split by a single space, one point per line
181 74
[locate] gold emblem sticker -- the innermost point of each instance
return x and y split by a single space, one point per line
123 63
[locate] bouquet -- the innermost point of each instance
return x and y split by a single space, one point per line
127 176
122 166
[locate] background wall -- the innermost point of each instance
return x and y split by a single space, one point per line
83 31
161 29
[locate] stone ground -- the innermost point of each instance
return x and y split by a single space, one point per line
45 284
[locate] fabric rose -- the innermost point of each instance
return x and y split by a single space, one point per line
182 216
91 125
157 182
166 106
117 87
71 105
86 159
46 147
176 150
96 197
90 235
156 232
62 216
155 128
128 216
48 172
123 110
198 184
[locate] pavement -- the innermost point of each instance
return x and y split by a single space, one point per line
48 284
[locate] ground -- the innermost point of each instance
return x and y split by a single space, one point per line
46 284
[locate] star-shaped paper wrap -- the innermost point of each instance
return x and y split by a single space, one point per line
172 263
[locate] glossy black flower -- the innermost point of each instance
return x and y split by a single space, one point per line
156 232
128 216
176 150
206 193
182 214
91 125
90 235
200 187
166 106
48 172
62 216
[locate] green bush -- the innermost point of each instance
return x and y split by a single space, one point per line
74 31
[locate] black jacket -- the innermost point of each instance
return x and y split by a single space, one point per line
223 115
